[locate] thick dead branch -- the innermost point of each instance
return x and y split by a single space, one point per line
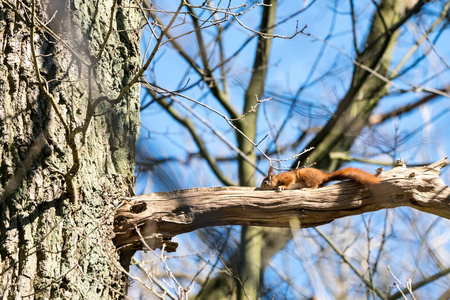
160 216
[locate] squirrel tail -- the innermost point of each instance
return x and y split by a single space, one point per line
354 174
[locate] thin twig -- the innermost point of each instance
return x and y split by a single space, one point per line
347 261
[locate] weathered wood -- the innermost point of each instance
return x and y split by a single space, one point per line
160 216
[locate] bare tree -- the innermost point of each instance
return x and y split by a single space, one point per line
69 123
390 42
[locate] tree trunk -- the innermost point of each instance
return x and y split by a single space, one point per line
67 150
351 115
249 266
366 88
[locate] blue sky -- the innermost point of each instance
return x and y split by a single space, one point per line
291 62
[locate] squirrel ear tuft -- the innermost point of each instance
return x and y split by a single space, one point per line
271 171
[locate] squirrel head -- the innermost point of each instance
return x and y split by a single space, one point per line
269 182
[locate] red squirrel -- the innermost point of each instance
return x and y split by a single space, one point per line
311 178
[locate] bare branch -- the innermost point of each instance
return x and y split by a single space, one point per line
422 283
164 215
424 37
108 34
228 120
70 174
152 279
198 140
380 118
349 263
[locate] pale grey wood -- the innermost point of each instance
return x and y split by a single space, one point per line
160 216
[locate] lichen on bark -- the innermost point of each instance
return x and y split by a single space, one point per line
51 248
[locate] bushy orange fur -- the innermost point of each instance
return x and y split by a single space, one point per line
311 178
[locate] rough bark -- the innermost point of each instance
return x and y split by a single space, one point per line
63 160
160 216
